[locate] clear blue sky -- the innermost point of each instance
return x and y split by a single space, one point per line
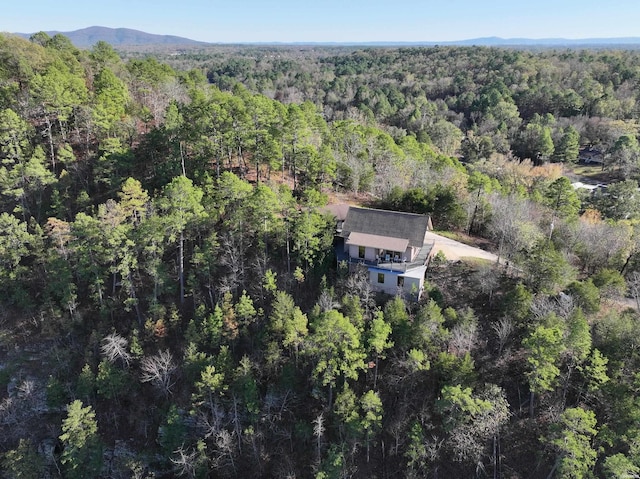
333 20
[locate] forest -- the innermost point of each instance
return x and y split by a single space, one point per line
170 300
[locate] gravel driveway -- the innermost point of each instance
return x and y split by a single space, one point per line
454 250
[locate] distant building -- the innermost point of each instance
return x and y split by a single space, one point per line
591 155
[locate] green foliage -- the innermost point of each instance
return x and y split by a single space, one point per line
86 384
153 179
337 348
595 371
378 335
23 462
610 282
619 201
428 330
395 313
270 281
455 370
544 346
578 336
211 328
173 431
333 465
246 386
615 334
416 450
572 438
518 303
347 410
372 412
457 403
14 247
417 360
56 393
111 99
585 294
568 146
439 201
535 142
562 198
244 309
620 466
548 269
111 381
82 449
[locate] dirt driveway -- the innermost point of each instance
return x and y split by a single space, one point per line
454 250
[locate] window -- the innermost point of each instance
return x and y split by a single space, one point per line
360 251
381 278
400 281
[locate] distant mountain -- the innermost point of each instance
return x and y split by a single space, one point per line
497 41
117 37
494 42
122 37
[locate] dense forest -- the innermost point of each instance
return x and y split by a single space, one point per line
170 302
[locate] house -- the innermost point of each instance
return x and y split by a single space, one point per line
392 246
591 155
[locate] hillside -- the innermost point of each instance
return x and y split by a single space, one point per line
87 37
171 300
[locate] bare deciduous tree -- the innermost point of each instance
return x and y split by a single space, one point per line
114 348
358 285
600 244
514 225
503 330
158 370
318 432
633 282
463 338
327 302
562 306
488 278
185 462
225 451
233 261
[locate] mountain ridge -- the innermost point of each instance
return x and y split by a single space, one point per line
87 37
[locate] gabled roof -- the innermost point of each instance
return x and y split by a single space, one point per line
391 224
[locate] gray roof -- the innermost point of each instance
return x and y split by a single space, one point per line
338 210
392 224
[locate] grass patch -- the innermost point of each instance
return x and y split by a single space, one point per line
590 172
454 235
478 262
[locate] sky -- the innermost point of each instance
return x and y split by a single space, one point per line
232 21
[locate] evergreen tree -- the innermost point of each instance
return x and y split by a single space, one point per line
82 448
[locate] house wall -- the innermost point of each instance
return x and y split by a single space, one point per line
369 253
409 284
390 285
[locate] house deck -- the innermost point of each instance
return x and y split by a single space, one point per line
402 266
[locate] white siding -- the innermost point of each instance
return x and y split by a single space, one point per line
369 253
413 281
390 284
